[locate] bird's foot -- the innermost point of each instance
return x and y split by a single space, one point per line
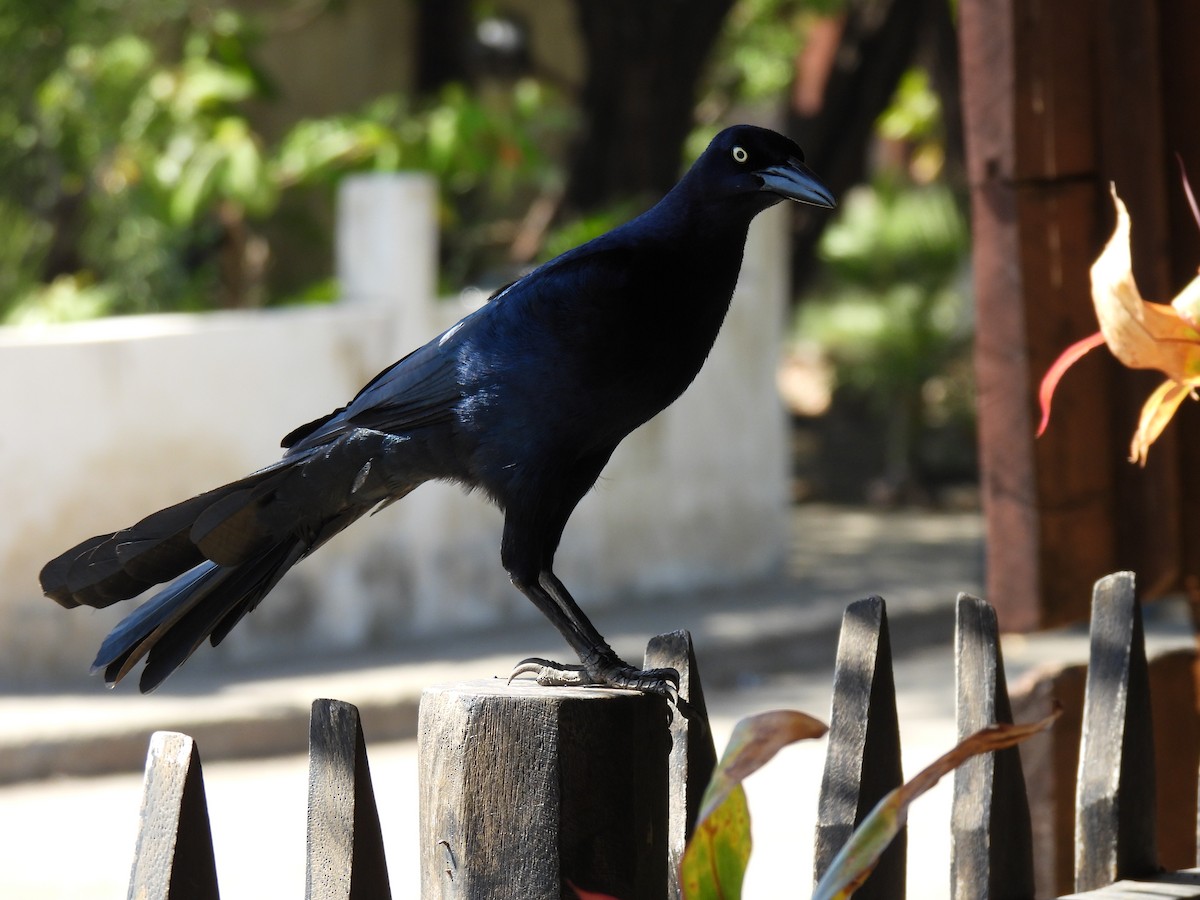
611 673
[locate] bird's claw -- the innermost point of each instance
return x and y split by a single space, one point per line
614 674
549 673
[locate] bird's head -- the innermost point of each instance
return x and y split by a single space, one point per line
761 167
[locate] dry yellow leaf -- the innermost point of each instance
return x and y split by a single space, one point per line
1156 413
1141 335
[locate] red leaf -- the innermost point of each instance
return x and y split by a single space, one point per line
1050 380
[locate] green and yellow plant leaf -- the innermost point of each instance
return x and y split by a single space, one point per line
714 863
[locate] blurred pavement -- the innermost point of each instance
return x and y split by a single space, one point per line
768 646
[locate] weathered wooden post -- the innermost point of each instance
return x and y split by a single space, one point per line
345 858
526 790
993 840
1114 801
693 754
862 763
174 855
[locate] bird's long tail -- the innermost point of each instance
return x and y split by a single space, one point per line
223 551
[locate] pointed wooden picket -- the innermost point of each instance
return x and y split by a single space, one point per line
173 859
693 754
862 763
1114 801
345 858
992 852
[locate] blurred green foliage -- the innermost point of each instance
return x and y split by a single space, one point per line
135 181
893 316
577 231
117 154
755 58
891 302
913 121
891 312
754 62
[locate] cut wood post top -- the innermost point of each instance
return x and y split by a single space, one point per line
526 790
528 688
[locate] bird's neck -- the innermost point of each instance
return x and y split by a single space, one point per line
712 224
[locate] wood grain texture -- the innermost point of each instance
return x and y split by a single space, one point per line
1060 99
992 839
862 762
1115 794
174 855
693 754
344 858
525 790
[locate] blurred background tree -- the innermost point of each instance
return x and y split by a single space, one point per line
173 155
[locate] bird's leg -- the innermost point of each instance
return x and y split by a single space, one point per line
598 665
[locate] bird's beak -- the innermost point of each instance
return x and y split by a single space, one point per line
796 181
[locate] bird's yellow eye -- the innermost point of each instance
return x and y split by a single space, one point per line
740 155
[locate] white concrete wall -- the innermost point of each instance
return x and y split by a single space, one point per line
105 422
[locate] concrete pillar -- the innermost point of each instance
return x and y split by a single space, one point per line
387 240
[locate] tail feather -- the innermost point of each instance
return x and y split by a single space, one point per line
224 550
134 636
230 530
227 599
122 564
259 582
156 560
205 603
95 577
55 575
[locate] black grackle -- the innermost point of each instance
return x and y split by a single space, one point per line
524 399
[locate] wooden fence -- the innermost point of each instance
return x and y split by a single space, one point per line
527 791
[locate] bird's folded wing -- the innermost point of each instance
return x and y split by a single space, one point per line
421 389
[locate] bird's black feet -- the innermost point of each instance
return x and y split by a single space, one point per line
613 673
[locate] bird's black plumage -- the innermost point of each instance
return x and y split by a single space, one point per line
525 399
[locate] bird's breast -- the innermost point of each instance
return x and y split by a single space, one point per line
581 368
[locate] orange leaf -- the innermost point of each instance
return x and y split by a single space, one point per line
1054 374
1141 335
1187 304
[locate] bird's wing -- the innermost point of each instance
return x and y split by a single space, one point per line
426 386
421 389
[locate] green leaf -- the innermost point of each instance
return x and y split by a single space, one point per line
714 863
205 85
244 178
755 740
195 183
